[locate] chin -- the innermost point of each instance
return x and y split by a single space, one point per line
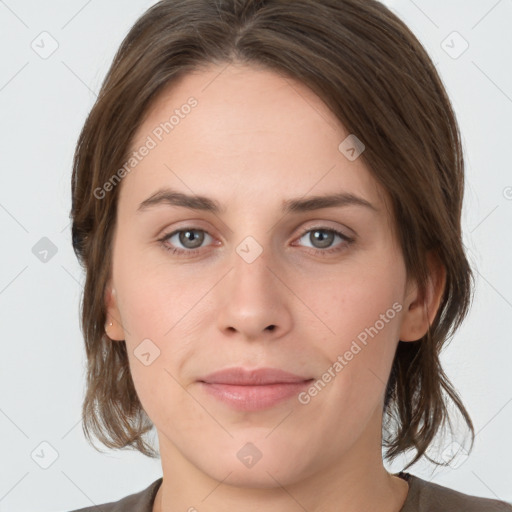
268 472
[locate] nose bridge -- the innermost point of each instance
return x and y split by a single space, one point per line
251 274
251 301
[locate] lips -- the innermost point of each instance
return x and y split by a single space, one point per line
257 377
253 390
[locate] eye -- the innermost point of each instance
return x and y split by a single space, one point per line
323 237
190 238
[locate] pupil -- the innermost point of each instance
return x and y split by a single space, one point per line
324 239
190 236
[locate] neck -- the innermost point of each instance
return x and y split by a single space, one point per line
391 491
355 481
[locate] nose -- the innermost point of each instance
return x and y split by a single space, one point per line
253 303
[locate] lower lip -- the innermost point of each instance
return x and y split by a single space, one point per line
255 398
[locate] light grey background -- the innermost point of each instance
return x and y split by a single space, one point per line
44 102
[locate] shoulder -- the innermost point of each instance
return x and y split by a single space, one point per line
141 501
425 496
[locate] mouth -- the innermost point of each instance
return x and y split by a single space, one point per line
253 390
260 376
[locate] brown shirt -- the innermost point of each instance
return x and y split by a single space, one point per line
423 496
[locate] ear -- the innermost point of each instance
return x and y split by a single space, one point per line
421 311
115 331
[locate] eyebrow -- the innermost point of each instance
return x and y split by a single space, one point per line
169 197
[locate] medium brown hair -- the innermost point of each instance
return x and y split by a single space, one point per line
377 79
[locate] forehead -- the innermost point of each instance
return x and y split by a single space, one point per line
238 132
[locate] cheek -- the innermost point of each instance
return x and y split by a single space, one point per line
162 310
363 312
353 304
154 298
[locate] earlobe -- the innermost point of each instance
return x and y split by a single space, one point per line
113 327
421 311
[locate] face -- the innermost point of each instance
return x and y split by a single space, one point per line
318 292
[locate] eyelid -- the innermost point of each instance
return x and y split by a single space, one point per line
319 225
325 225
346 240
169 234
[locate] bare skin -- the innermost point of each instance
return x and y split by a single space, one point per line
254 140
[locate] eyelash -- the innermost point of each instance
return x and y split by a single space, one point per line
322 252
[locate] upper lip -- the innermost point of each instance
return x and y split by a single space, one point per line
259 376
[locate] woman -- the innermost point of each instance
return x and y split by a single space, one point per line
266 201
